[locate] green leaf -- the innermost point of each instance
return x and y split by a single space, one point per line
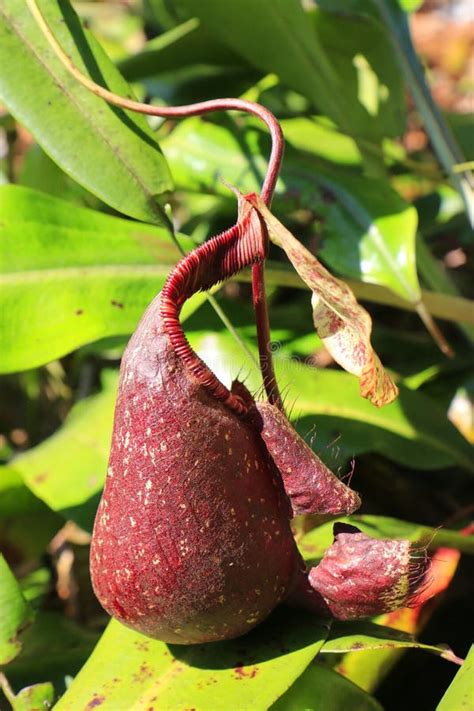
439 132
128 670
370 234
15 614
72 275
413 430
459 694
319 136
365 635
111 152
38 171
319 58
321 689
184 45
360 53
316 541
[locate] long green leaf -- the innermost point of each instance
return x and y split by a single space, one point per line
444 142
15 614
451 308
112 153
72 275
128 671
365 635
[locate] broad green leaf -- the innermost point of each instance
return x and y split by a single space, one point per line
321 689
71 275
341 323
369 230
316 541
15 614
184 45
413 430
309 55
460 694
364 635
128 671
111 152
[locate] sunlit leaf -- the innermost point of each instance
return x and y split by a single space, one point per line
318 58
368 230
127 670
112 153
71 275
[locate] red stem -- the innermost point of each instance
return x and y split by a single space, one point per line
258 273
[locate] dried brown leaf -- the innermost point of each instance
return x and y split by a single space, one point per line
342 324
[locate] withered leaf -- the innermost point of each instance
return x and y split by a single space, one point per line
342 324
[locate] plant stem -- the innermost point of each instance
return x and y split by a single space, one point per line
263 336
198 109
